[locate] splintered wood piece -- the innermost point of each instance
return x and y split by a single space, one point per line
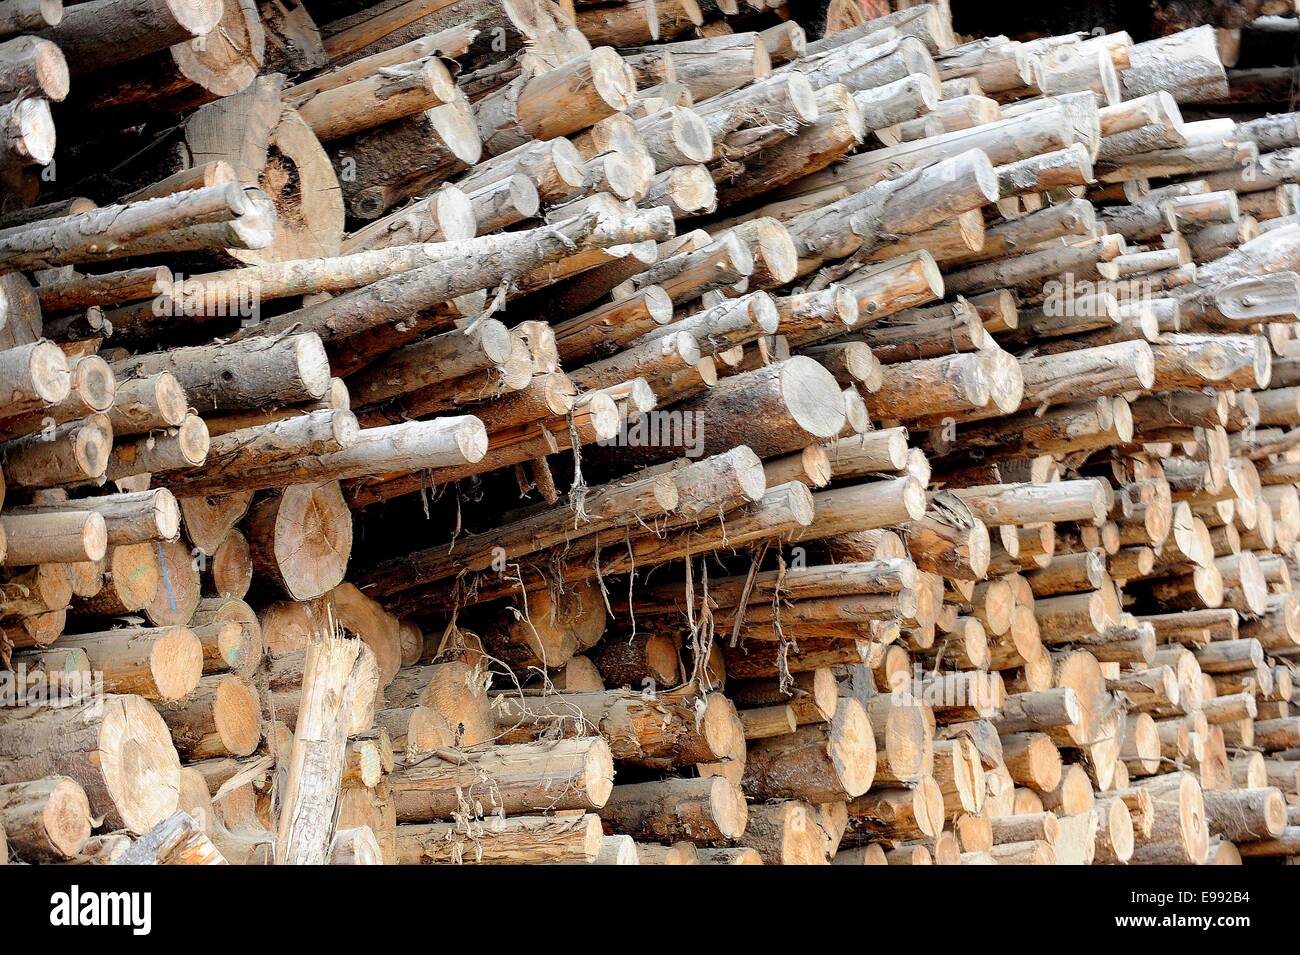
331 680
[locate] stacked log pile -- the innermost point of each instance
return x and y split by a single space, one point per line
635 433
1258 49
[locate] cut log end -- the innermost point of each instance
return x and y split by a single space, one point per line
139 763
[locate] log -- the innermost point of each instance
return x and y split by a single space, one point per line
797 398
518 840
177 840
548 630
379 168
93 389
563 774
156 663
30 15
785 833
36 376
130 518
696 810
398 91
420 289
41 589
554 103
300 539
59 455
444 442
47 820
138 27
230 633
1186 65
836 759
221 717
1246 815
214 217
1036 503
150 403
242 375
607 506
117 749
69 537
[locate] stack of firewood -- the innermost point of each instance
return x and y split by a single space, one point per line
636 433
